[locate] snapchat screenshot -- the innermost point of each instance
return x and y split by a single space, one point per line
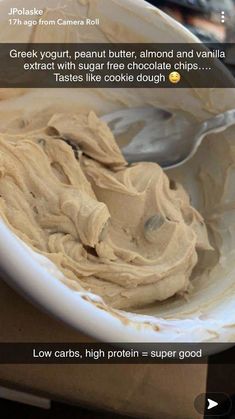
117 209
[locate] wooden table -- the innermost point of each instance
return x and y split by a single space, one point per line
145 391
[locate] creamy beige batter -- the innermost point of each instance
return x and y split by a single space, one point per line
124 232
208 313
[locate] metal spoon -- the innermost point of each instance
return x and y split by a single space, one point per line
152 134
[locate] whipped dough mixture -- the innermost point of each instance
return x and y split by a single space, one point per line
124 232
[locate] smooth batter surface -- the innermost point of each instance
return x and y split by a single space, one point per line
126 233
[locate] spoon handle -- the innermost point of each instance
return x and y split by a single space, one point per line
219 122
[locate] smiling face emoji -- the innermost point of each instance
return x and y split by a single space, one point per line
174 77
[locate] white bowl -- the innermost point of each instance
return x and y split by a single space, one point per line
209 314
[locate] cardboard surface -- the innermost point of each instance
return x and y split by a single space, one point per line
145 391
